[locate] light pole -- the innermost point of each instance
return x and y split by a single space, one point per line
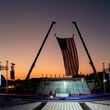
104 81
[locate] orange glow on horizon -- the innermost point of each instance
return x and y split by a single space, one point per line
23 26
41 73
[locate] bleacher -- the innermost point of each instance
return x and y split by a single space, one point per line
62 106
98 106
63 86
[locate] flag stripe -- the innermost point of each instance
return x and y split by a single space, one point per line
70 56
71 51
74 50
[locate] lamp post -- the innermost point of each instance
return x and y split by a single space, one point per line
104 81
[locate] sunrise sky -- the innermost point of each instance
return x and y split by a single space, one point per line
24 24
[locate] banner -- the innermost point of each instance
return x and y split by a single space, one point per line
70 56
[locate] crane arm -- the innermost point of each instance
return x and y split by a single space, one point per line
33 64
89 57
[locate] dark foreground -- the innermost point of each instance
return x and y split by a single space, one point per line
32 102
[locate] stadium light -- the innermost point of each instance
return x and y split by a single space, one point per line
104 80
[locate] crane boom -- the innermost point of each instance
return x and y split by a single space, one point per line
33 64
90 59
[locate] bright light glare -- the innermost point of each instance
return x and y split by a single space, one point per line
82 79
64 83
104 80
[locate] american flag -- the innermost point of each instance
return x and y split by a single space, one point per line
70 56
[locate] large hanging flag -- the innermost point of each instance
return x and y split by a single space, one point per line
70 56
